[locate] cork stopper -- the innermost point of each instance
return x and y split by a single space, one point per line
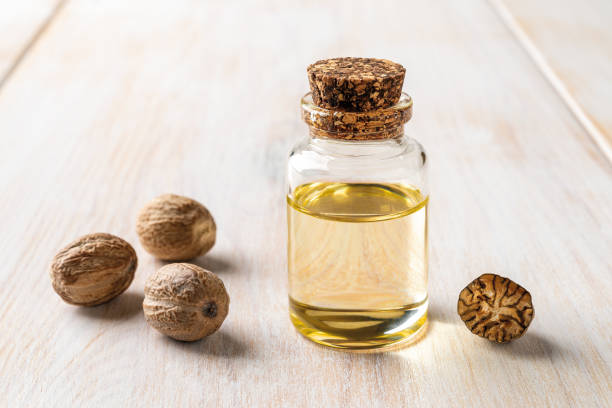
355 84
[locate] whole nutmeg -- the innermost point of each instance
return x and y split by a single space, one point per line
185 302
495 308
93 269
176 228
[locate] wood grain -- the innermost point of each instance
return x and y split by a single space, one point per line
121 101
21 24
571 43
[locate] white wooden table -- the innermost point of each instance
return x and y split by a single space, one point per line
104 105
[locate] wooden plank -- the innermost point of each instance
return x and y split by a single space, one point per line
571 43
21 23
119 102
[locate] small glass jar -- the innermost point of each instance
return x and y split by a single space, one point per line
357 219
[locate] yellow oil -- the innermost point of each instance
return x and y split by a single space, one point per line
357 258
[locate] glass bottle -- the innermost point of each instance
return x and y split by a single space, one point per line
357 221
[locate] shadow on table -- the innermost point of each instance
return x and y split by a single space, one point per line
529 346
123 307
435 313
213 263
219 344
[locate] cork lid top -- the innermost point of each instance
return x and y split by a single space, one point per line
355 84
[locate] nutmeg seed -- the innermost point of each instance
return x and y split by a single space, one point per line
176 228
495 308
185 302
93 269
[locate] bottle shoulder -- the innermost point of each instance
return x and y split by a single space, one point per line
394 160
406 151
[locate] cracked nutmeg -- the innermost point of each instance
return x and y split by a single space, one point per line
185 302
176 228
93 269
495 308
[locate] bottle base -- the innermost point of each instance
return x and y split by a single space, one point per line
360 329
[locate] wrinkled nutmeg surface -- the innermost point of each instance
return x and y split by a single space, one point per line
185 302
93 269
176 228
495 308
355 84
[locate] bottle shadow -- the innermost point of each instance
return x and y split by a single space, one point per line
123 307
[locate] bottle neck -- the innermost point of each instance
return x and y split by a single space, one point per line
380 148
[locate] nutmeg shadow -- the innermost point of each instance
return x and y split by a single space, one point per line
123 307
530 345
220 344
213 263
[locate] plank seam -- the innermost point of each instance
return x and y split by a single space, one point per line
545 69
32 41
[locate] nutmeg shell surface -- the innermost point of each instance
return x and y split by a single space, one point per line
93 269
185 302
176 228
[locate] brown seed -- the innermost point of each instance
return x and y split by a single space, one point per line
185 302
176 228
495 308
93 269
